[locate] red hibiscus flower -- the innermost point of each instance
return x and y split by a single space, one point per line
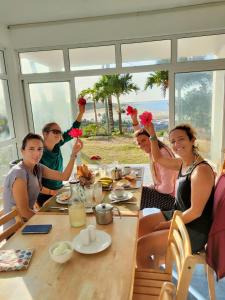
146 118
130 110
81 101
75 132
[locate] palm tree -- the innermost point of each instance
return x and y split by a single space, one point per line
97 94
90 93
158 78
101 86
117 85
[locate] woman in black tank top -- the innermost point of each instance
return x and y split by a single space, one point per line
194 197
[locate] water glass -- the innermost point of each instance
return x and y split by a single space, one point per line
98 192
89 194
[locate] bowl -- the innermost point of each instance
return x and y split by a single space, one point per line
61 251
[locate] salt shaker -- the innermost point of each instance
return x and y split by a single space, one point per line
84 236
92 233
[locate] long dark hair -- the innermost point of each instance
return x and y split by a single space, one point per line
160 144
31 136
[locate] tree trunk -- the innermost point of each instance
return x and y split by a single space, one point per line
119 115
110 109
95 113
107 117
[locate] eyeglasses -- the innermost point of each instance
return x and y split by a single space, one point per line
55 131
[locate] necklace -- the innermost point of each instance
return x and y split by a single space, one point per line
193 164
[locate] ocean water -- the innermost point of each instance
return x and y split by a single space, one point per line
153 106
160 107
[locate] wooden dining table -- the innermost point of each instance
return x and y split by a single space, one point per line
99 276
127 208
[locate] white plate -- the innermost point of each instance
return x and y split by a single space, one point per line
103 241
127 196
61 198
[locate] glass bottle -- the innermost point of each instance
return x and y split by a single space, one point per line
76 206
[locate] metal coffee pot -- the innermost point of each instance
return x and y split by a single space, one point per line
116 174
104 213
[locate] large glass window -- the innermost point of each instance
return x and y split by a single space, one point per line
50 102
148 53
199 101
7 154
42 61
2 64
108 135
92 58
201 48
5 113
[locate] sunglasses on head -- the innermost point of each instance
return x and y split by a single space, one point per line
55 131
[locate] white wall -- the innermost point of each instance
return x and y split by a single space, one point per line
4 36
17 101
176 22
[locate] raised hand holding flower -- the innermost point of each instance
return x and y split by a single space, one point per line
75 133
131 110
146 118
82 101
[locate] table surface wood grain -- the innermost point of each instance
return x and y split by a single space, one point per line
105 275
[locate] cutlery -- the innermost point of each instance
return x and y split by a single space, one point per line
122 202
58 208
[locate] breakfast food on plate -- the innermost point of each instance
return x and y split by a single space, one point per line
85 175
130 177
64 196
123 182
106 182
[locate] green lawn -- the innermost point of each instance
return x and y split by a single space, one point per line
121 149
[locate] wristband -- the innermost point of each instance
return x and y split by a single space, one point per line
153 138
73 156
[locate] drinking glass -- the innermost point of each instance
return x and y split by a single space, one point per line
77 214
89 194
98 192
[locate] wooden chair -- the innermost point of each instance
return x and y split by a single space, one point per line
148 282
168 291
13 228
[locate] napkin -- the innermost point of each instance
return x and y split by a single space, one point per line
15 260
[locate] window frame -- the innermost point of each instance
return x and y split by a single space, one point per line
173 67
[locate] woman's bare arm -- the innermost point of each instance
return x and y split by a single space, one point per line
167 162
202 182
20 195
65 175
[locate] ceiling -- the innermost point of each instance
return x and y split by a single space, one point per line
33 11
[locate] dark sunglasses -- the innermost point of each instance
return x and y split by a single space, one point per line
55 131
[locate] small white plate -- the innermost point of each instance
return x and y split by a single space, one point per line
103 241
63 198
127 196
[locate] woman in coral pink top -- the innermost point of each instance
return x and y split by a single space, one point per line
161 193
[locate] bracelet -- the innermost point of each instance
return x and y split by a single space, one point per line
73 156
153 138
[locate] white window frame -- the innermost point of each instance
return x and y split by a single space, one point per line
174 67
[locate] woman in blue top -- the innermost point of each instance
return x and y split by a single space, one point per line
54 139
